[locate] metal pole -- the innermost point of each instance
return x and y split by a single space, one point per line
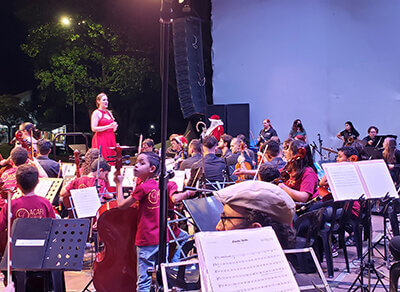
164 62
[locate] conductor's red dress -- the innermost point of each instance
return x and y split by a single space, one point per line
105 138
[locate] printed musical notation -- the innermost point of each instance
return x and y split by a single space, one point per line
244 260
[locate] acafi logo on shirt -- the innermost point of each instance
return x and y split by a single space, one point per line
31 213
154 196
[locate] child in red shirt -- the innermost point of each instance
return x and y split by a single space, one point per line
148 195
29 205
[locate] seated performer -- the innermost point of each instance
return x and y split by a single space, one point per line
91 155
148 195
224 144
89 180
266 133
272 158
298 131
391 155
29 205
194 153
349 134
51 167
28 134
213 165
232 159
179 144
148 146
253 204
18 156
371 140
302 184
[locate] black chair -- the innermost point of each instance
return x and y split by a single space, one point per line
394 276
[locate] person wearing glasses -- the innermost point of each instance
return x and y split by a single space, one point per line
254 204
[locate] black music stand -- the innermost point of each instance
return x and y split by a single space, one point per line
46 244
205 212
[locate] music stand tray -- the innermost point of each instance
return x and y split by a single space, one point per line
80 147
47 244
205 212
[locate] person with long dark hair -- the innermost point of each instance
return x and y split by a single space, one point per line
298 132
302 183
349 134
391 155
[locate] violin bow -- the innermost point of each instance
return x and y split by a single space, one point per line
261 161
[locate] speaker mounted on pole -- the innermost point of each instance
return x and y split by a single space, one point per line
189 68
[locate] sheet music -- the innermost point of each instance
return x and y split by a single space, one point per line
127 172
344 181
68 169
243 260
377 178
179 179
43 187
86 202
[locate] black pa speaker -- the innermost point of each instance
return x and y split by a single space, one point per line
188 51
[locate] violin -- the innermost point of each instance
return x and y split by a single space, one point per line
242 164
285 175
115 265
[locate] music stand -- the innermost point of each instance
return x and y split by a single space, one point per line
46 244
205 212
80 147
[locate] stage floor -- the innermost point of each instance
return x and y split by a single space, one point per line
77 281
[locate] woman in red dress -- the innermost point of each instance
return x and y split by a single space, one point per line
103 125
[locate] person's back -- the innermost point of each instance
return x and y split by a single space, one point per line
29 205
51 167
18 156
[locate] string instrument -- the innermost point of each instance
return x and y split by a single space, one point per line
349 141
7 166
115 265
242 164
76 161
285 176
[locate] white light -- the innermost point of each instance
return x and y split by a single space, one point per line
65 21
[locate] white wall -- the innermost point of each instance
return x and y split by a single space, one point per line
323 61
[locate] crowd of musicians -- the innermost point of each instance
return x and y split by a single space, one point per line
260 187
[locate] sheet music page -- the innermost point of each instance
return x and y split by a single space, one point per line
127 172
43 187
377 178
68 169
179 179
243 260
344 181
86 202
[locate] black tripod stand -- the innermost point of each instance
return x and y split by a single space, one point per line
369 264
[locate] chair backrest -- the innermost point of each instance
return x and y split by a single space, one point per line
308 225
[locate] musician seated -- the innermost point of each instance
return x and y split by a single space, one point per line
18 157
179 144
89 180
254 204
302 184
194 151
224 145
232 159
371 140
51 167
91 155
268 173
148 146
272 157
29 205
213 165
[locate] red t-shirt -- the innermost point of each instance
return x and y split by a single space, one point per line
27 207
308 182
148 196
9 179
86 182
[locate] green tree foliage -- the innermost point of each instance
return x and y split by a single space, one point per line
12 111
85 58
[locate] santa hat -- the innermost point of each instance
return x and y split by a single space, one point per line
181 140
214 117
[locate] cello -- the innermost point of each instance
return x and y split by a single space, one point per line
115 266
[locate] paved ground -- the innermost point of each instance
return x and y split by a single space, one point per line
76 281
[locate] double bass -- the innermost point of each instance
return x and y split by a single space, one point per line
115 265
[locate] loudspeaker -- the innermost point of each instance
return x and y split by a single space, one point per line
189 69
236 117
